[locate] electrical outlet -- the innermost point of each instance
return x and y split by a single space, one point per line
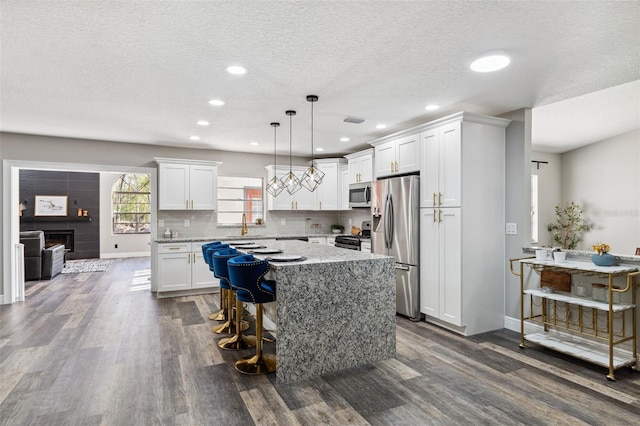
283 222
161 223
115 246
512 229
186 223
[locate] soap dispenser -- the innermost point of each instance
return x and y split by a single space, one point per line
167 233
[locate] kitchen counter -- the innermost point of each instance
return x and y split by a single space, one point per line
586 255
334 310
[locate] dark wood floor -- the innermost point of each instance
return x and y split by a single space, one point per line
99 348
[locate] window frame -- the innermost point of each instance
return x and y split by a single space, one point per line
140 227
247 200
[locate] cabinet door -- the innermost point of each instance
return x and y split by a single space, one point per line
327 192
203 187
201 276
449 170
174 271
429 168
343 195
450 265
303 199
366 168
318 240
429 263
408 154
173 187
385 158
355 170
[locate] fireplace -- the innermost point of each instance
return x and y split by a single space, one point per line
62 236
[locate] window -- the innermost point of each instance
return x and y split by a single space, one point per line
131 204
238 195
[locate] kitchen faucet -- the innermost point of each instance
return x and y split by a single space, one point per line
244 230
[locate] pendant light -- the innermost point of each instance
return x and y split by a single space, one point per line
274 186
290 181
312 176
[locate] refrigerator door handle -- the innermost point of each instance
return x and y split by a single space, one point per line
391 223
403 268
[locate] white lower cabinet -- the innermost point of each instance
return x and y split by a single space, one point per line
365 246
182 267
318 240
440 264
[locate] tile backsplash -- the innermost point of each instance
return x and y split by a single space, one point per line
204 223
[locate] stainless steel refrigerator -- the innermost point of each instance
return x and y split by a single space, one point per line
395 209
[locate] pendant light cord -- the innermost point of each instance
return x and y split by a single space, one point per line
311 134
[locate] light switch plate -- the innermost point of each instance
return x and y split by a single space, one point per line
512 229
283 222
186 223
161 223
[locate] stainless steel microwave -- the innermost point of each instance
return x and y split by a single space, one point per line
360 194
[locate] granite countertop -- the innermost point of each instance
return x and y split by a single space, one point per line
237 237
314 253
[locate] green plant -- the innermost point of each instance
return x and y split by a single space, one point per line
338 226
569 225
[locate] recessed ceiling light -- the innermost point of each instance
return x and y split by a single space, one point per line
236 70
202 123
381 126
254 143
216 102
194 138
319 149
491 62
344 139
432 107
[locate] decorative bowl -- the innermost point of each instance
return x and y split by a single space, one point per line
604 259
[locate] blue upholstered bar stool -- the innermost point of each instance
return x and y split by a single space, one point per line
233 325
219 256
207 251
246 275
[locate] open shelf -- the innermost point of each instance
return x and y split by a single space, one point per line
581 301
582 349
55 219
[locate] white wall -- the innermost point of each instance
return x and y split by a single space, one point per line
604 178
129 245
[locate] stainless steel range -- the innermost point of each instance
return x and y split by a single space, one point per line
353 242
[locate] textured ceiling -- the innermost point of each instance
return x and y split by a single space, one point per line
135 71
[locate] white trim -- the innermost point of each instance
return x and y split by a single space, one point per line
513 324
126 255
464 116
11 219
186 161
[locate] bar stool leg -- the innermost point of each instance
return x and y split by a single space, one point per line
258 363
239 341
222 314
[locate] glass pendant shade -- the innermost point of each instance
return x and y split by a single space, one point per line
312 177
290 181
274 186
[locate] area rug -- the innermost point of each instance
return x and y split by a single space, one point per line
78 266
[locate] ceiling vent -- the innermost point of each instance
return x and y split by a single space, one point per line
354 120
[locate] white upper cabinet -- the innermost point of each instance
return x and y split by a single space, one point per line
300 200
187 184
327 194
441 166
343 188
360 166
398 156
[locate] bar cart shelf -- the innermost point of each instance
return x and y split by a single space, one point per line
586 329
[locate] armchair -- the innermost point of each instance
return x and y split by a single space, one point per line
39 262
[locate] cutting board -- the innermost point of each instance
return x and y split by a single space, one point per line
560 281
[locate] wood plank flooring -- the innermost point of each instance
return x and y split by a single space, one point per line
100 349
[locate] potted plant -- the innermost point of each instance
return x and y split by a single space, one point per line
569 225
337 228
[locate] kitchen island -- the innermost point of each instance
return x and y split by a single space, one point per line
334 310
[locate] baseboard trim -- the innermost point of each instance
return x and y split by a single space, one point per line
513 324
125 255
